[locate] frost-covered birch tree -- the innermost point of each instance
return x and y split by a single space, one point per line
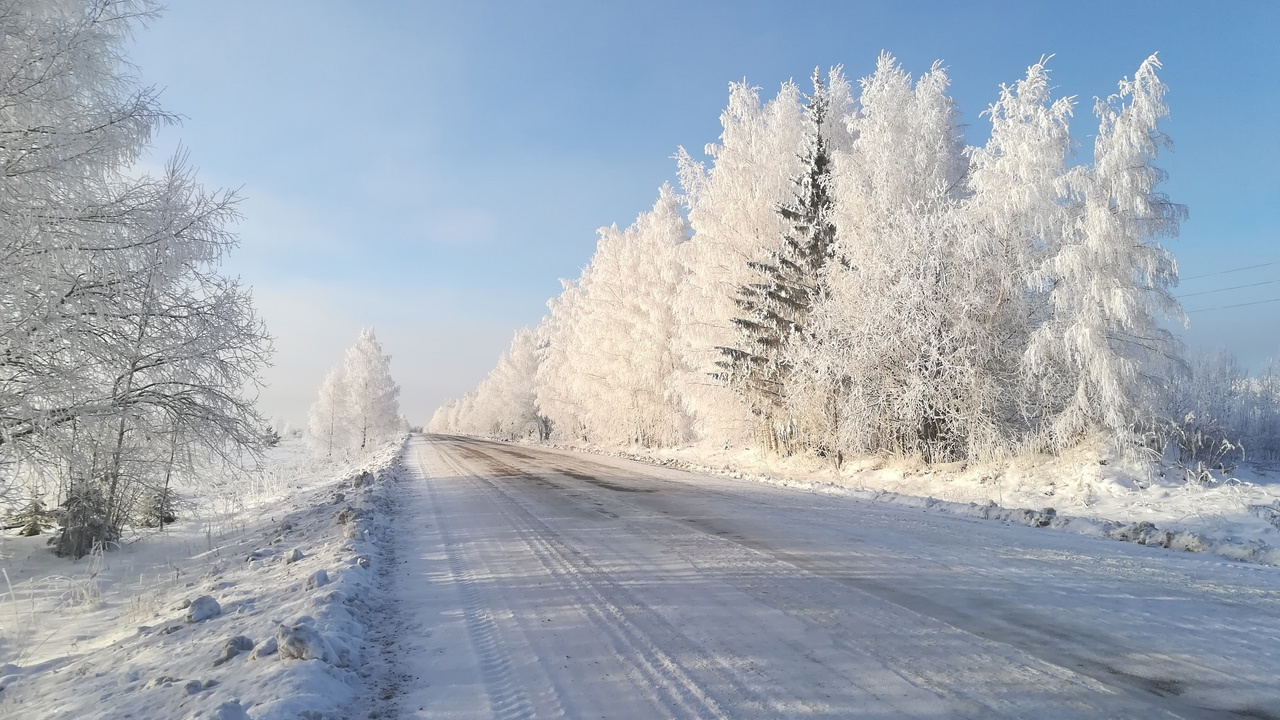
328 424
124 352
883 340
608 373
358 405
372 395
1109 281
1014 221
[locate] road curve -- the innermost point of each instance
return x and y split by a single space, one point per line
533 582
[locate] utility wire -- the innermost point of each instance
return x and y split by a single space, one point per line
1232 270
1233 287
1224 307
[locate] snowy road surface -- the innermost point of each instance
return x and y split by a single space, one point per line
543 583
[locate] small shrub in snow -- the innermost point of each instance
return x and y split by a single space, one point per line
319 578
232 648
1270 513
203 608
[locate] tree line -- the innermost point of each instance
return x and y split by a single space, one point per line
127 358
844 275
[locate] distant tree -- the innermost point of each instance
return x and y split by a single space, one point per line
328 421
372 395
607 375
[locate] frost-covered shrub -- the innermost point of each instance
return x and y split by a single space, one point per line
86 520
1215 415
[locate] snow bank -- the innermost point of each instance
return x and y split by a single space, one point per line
273 628
1083 493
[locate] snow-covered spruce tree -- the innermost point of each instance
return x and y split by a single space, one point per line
372 395
775 307
123 351
1103 351
734 218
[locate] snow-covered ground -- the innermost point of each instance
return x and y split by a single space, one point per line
1234 515
253 604
473 579
547 583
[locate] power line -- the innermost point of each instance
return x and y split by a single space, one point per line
1225 307
1233 287
1232 270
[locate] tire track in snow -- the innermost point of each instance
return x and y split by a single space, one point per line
1152 695
615 612
507 697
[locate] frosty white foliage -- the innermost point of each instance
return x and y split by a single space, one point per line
610 377
358 407
881 355
1110 278
977 301
123 350
733 214
503 405
328 426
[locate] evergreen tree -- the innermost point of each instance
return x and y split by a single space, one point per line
774 309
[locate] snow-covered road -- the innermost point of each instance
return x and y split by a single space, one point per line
544 583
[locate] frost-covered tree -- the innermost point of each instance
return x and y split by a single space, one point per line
775 307
1103 343
373 405
607 375
733 215
1013 222
328 424
881 355
124 352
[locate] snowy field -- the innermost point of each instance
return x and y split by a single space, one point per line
198 620
473 579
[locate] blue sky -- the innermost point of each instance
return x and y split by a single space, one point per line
432 169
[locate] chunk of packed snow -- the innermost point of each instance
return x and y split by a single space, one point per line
203 608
